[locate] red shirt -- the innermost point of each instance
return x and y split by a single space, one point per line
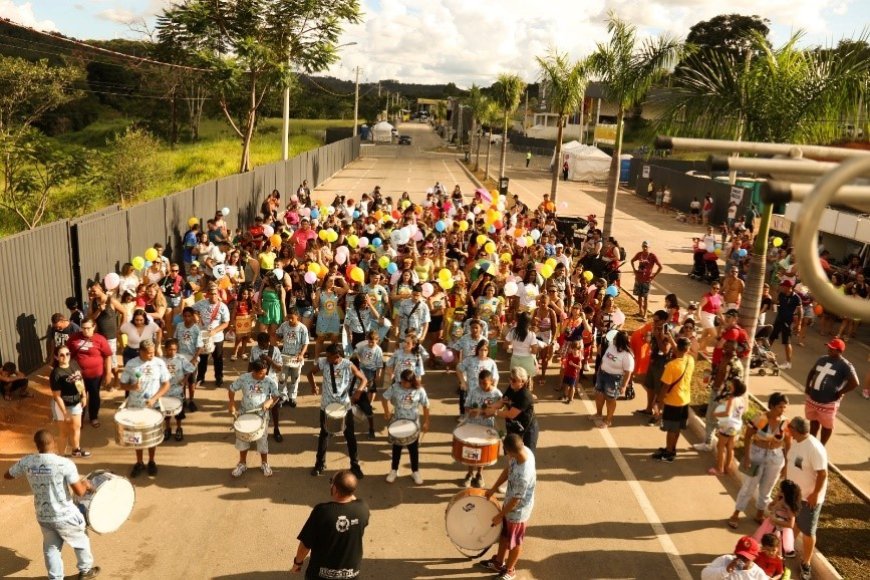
570 370
89 353
300 240
771 565
645 265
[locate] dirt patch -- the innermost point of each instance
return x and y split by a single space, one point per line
21 418
844 529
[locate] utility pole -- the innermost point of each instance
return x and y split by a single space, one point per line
356 103
526 113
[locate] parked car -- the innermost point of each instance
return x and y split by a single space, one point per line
404 140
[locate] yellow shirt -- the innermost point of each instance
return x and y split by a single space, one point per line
267 260
681 393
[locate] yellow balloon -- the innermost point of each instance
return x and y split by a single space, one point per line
151 255
481 239
777 242
551 262
506 257
496 198
357 274
463 226
445 274
384 261
446 284
489 247
546 271
138 262
353 240
331 236
314 267
588 275
530 241
322 235
192 222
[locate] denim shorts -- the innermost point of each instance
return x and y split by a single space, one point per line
608 384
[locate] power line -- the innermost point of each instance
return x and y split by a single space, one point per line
101 50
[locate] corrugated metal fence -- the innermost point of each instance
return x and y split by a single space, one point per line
39 269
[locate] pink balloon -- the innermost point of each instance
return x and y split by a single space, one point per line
111 281
340 258
438 349
363 242
418 235
294 198
310 277
305 212
448 356
268 231
428 290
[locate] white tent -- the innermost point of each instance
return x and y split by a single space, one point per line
382 132
585 163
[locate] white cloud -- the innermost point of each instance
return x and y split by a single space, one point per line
23 14
465 42
119 15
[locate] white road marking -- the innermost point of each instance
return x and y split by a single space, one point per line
652 517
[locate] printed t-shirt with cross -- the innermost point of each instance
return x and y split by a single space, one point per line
189 339
413 315
406 402
294 337
149 374
178 366
339 390
831 375
211 316
255 392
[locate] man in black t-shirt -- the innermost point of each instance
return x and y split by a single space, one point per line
787 314
333 533
60 331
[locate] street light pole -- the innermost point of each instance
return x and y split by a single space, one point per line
356 103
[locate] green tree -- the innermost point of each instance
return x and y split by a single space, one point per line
477 104
31 167
627 70
784 95
566 84
131 166
728 33
252 47
507 92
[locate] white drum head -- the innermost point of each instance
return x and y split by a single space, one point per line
111 504
476 434
248 423
171 405
401 428
138 418
336 410
469 523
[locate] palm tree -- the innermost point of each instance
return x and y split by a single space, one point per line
491 115
785 95
627 72
566 86
507 91
476 103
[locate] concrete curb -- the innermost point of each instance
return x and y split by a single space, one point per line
468 173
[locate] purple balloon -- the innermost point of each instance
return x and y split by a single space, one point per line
448 356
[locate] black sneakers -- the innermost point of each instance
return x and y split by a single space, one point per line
137 470
316 471
152 468
357 471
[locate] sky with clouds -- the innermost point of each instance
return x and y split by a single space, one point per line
466 42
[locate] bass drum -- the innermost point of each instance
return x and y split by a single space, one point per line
468 519
140 428
110 504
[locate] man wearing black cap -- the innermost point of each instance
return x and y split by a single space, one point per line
788 314
643 264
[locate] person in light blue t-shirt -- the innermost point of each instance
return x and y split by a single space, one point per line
51 477
270 356
406 399
479 411
180 369
519 500
370 358
146 378
259 394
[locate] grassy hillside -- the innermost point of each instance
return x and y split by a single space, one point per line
215 155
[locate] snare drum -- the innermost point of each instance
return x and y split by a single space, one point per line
335 414
244 325
468 519
138 428
475 445
171 406
403 432
110 504
291 362
249 427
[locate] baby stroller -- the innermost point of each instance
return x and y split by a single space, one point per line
705 267
763 357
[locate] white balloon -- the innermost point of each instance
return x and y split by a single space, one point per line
279 273
510 289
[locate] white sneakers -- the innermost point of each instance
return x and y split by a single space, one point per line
703 447
267 471
393 474
785 365
239 470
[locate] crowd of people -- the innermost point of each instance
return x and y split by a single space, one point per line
372 293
